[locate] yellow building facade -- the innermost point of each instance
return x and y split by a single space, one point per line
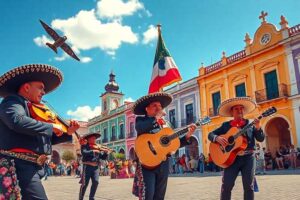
261 72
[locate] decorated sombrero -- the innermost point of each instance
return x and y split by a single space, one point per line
225 107
11 81
140 104
88 135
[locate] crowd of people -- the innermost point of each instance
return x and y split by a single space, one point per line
285 157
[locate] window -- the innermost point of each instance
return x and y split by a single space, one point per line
271 85
172 118
105 138
216 98
240 90
131 129
113 133
189 113
121 136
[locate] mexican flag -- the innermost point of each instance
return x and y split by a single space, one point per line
165 71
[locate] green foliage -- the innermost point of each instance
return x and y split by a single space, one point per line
68 156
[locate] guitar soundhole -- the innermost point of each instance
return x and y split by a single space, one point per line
231 140
165 140
228 148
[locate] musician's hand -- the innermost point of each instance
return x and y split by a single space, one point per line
74 126
57 129
160 115
192 128
256 124
222 140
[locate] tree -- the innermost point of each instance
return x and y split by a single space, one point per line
68 156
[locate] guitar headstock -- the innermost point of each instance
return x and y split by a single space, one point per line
203 121
269 112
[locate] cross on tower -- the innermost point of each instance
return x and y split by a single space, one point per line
263 16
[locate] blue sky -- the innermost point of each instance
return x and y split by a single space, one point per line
120 35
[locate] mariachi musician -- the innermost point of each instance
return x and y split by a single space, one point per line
25 141
151 184
92 153
245 161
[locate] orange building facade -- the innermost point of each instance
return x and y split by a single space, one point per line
261 72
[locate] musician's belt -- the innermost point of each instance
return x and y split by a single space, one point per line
246 152
94 164
31 157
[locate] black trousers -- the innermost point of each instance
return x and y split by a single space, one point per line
245 165
156 181
29 176
89 172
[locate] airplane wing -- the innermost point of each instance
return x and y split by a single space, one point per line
50 31
69 51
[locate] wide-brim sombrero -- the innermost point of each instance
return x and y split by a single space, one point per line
141 104
88 135
11 81
225 107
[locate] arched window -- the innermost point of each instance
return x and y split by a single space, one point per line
121 136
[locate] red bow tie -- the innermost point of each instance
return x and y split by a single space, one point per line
238 123
161 121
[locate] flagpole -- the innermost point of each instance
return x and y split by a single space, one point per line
159 34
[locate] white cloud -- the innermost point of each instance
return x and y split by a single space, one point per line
118 8
129 99
83 113
85 31
77 52
150 34
41 41
85 59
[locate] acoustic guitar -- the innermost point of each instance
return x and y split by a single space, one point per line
152 149
225 156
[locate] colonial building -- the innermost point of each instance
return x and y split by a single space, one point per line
130 133
293 57
261 71
74 146
111 122
183 111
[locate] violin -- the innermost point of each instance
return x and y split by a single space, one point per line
102 148
42 112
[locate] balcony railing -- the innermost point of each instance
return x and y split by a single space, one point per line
265 95
212 112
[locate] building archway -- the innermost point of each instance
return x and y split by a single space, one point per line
55 158
122 151
192 150
132 155
278 133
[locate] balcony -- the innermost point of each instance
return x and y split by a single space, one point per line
212 112
264 95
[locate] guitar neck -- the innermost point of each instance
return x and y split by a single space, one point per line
181 132
243 130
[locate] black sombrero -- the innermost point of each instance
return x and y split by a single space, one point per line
86 136
140 104
225 107
11 81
